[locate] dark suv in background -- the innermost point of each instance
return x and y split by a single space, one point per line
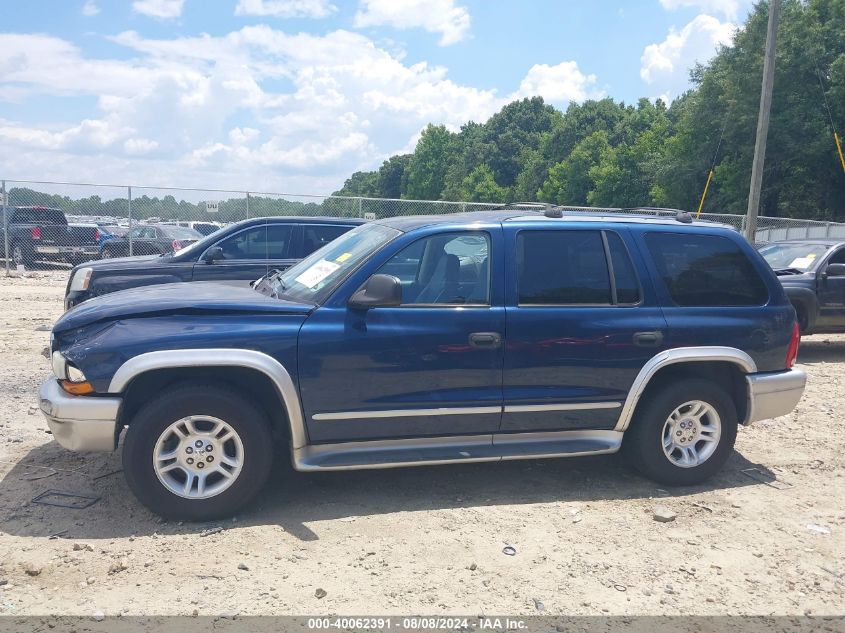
237 253
812 272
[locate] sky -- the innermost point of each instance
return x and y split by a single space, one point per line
292 96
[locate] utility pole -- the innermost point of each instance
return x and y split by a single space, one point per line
762 122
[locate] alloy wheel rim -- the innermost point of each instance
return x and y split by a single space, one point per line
17 255
198 457
691 434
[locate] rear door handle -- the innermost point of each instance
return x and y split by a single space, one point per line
648 339
485 340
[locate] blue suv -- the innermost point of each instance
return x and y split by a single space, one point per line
429 340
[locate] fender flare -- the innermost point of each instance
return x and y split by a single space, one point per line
227 357
657 362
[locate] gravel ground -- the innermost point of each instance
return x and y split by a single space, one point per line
428 540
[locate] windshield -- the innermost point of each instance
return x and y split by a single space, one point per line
799 256
318 274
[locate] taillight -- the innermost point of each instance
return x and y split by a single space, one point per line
176 245
96 235
36 232
792 350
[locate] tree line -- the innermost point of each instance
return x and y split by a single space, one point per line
612 154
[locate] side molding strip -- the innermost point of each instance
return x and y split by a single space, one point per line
679 355
577 406
251 359
405 413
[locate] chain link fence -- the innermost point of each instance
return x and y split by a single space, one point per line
56 224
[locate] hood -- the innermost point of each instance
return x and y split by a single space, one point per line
185 298
120 263
799 279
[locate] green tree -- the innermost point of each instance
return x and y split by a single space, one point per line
569 181
425 175
480 186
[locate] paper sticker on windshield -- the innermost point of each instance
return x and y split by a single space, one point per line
316 273
343 257
802 262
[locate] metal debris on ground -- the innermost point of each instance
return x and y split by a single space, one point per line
57 535
42 475
210 531
509 550
818 529
766 478
109 474
60 499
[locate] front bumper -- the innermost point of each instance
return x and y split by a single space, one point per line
775 394
79 423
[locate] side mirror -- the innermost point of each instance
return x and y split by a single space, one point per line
835 270
379 291
212 255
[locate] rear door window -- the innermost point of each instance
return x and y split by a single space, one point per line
260 242
562 268
705 270
316 236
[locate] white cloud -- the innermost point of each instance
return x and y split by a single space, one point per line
255 108
286 8
665 65
556 84
728 8
163 9
90 8
435 16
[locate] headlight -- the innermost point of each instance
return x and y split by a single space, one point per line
59 365
81 279
74 374
65 371
70 378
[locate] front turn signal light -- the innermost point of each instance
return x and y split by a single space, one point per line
77 388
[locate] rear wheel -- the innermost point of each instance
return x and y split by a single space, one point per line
683 432
21 256
197 452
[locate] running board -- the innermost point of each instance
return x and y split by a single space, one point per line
451 450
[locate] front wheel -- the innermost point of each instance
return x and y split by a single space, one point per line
682 433
197 452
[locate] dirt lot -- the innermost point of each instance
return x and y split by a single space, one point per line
428 540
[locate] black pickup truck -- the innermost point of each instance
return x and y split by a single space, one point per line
43 234
812 271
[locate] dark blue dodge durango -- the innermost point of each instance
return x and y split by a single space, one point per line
429 340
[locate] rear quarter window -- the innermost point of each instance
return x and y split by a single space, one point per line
38 216
705 270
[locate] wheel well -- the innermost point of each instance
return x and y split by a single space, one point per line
802 313
725 374
253 384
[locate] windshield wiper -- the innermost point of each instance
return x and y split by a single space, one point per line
788 271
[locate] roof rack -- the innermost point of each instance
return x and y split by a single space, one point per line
556 211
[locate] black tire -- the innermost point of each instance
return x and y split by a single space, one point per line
21 256
643 441
151 421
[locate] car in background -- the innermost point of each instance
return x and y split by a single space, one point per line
110 231
237 254
150 239
812 271
37 233
204 227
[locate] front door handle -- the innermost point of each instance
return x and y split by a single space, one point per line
648 339
485 340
